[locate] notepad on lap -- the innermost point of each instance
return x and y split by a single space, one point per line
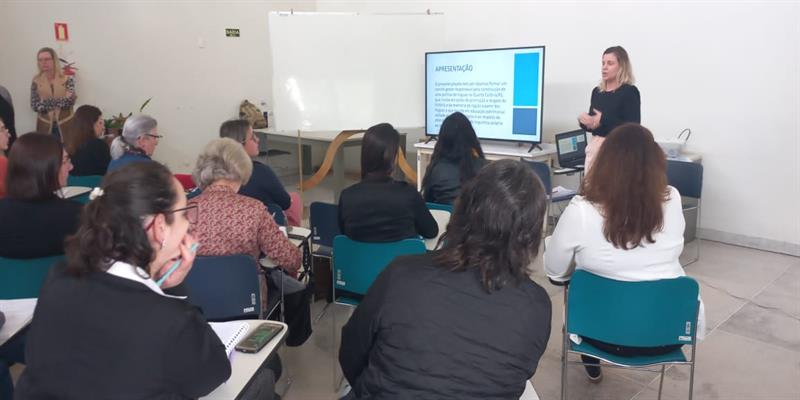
68 192
230 333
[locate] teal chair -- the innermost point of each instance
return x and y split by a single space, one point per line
23 278
438 206
90 181
356 265
636 314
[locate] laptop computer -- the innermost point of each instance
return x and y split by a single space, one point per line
571 148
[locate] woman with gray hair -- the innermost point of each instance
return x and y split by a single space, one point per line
137 143
230 223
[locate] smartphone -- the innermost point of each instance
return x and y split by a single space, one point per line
258 338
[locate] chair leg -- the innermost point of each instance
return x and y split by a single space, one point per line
661 382
564 344
691 379
333 347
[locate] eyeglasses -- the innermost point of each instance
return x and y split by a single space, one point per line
191 212
154 136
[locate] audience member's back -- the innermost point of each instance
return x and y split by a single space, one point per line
34 220
463 322
380 209
456 158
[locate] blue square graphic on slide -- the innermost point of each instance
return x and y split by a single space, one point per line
526 79
524 121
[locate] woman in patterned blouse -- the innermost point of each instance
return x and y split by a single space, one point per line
230 223
52 94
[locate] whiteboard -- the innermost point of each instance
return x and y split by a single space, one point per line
350 71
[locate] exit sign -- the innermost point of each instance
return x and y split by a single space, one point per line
232 32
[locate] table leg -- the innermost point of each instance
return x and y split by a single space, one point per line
338 174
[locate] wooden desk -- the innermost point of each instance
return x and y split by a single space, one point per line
493 151
244 365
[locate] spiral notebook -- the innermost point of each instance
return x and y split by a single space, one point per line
230 333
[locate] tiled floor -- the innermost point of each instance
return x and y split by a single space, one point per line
752 349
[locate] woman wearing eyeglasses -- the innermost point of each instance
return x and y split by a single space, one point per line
231 223
137 143
90 153
103 326
35 220
52 94
263 184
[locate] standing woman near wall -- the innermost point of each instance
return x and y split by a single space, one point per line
614 102
52 94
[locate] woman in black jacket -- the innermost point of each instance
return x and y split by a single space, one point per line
456 158
35 220
464 322
380 209
103 326
83 141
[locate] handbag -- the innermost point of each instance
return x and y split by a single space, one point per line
250 112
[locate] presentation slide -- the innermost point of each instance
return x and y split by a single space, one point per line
499 90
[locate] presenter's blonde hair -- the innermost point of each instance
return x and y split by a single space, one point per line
625 74
56 61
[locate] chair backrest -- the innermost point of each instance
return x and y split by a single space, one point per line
277 214
357 264
186 181
90 181
542 170
225 287
642 314
685 176
324 221
438 206
21 279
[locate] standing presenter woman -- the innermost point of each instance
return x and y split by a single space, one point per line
614 102
52 94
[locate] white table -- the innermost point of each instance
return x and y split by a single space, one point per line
244 365
19 313
492 150
326 138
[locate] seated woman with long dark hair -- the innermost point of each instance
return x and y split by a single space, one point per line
35 220
456 158
103 326
466 321
90 154
626 225
380 209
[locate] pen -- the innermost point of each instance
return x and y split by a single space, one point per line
174 266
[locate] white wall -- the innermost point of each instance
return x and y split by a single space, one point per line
130 51
729 71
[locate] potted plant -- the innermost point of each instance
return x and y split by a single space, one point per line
116 122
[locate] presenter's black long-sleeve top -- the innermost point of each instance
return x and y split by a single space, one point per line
380 209
265 186
617 107
424 332
105 337
91 159
35 229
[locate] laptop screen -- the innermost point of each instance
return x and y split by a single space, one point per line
571 145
